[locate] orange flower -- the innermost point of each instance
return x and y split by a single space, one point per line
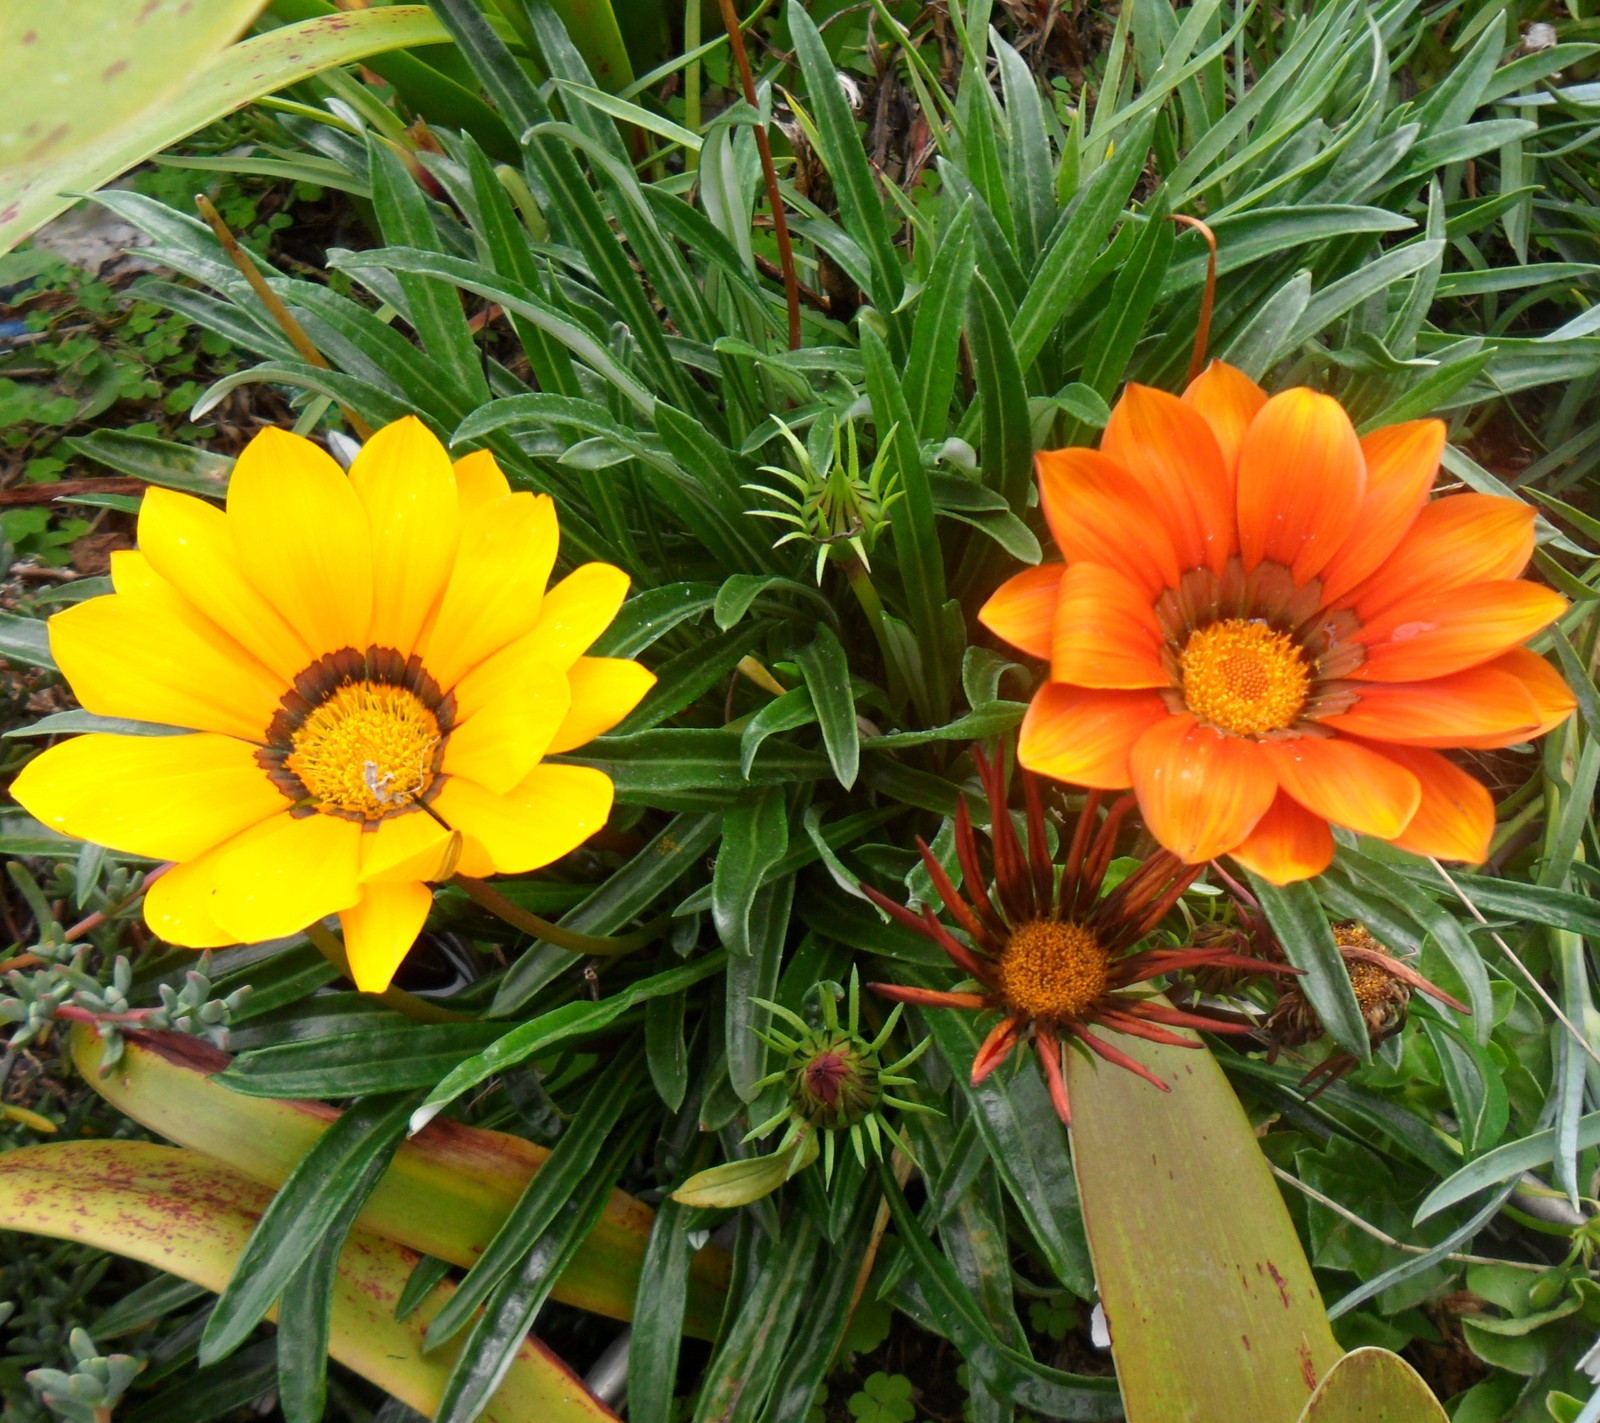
1052 953
1265 626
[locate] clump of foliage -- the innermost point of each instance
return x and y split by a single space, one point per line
1400 199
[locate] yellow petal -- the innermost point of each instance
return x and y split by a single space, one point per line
283 874
507 551
149 656
604 690
404 479
177 907
409 846
577 610
169 797
302 538
190 544
511 708
553 811
479 481
381 928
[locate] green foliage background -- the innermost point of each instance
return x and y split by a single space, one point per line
1403 196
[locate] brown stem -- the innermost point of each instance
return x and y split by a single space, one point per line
530 923
274 305
44 493
1202 335
780 225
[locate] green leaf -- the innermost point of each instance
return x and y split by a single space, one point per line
328 1187
752 980
189 90
393 1054
1521 903
755 835
124 1196
843 155
158 461
1153 1166
570 1163
1053 1392
737 1183
936 333
1057 285
1504 1163
826 673
24 640
1007 435
560 1025
658 1318
1301 926
1372 1386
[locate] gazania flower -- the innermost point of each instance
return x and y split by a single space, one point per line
370 671
1047 950
1265 627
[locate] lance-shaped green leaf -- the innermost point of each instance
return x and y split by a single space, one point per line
1213 1310
191 1216
446 1193
165 55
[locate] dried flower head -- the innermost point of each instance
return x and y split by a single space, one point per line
1048 950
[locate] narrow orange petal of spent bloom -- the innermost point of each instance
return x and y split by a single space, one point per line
1106 636
1169 450
1455 818
1302 481
1444 633
1097 515
1082 736
1022 610
1201 792
1402 463
1345 782
1228 400
1454 541
1289 843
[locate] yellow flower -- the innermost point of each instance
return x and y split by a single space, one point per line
371 672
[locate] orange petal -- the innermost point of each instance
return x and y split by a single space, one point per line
1481 706
1402 463
1552 697
1345 782
1084 737
1437 635
1454 542
1105 634
1289 843
1022 610
1455 818
1170 451
1302 481
1228 400
1201 793
1098 514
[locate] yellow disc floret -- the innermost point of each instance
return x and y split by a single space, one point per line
1244 678
367 751
1053 971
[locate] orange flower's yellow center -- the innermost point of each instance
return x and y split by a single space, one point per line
1244 678
368 750
1053 971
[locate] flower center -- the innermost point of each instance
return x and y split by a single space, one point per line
1053 971
1244 678
368 750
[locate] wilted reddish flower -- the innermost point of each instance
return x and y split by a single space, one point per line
1047 949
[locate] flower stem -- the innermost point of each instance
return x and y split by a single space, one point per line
530 923
413 1007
